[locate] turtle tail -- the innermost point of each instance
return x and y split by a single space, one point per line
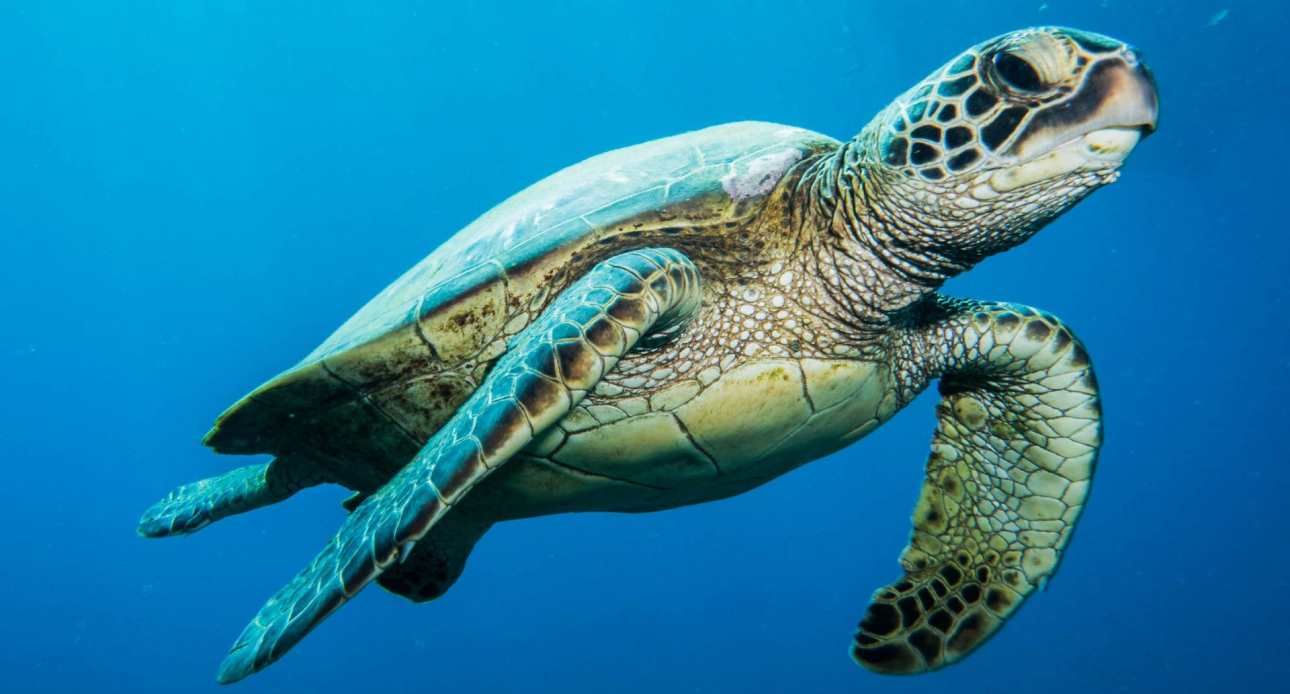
193 506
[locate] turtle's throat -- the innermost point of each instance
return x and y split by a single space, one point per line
874 254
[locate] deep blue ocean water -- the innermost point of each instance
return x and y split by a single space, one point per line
194 194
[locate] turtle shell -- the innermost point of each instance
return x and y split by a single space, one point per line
395 371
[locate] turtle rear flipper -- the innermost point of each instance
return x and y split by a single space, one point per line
191 507
437 560
1011 464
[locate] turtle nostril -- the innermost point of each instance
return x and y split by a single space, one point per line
1018 73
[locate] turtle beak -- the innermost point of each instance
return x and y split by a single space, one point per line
1125 92
1145 83
1114 108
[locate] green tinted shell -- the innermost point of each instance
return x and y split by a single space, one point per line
445 320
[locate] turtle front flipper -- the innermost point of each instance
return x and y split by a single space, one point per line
191 507
548 369
1011 464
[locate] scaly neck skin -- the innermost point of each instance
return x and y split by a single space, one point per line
868 246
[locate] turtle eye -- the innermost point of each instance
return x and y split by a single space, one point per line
1017 73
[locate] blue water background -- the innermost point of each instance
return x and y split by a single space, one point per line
194 194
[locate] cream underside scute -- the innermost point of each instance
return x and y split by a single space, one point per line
791 412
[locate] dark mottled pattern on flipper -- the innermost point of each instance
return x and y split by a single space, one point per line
504 259
1019 428
499 419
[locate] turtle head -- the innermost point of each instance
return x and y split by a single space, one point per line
1001 140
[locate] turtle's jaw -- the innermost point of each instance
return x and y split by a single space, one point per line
1102 150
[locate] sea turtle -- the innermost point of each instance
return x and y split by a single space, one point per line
684 320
